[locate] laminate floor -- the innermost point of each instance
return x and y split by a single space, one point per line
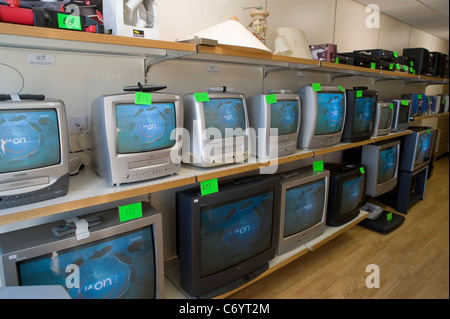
413 260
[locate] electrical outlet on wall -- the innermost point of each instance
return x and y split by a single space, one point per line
77 125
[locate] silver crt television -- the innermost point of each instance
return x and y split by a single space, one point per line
217 128
274 111
136 142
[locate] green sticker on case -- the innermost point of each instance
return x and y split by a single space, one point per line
201 97
271 98
361 169
341 88
209 187
130 212
143 98
318 166
389 217
405 102
316 86
359 93
373 65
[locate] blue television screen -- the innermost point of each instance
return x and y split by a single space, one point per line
330 113
387 164
120 266
29 139
304 207
225 115
352 192
142 128
363 114
284 116
424 147
235 231
384 121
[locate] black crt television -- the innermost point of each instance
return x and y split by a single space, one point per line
417 148
346 192
226 238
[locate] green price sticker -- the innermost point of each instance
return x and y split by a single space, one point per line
428 131
271 98
337 59
201 97
341 88
359 93
318 166
373 65
389 217
70 22
130 212
395 54
405 102
361 169
391 66
209 187
391 106
419 96
316 87
143 98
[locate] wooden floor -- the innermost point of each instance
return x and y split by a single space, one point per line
413 260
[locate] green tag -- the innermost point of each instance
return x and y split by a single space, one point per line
129 212
359 93
318 166
411 63
389 217
271 98
143 98
341 88
391 106
391 66
412 71
428 131
405 67
373 65
201 97
67 21
337 59
316 86
361 169
419 96
209 187
405 102
397 66
395 54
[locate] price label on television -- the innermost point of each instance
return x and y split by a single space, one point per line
373 65
67 21
271 98
341 88
143 98
201 97
361 169
130 212
209 187
389 217
405 102
359 93
316 87
318 166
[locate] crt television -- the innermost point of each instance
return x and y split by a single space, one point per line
226 238
417 148
217 127
360 115
274 111
323 116
384 116
402 112
134 142
382 162
116 260
34 151
346 192
303 207
417 103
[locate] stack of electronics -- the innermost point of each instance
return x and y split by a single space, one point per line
386 58
361 58
440 64
415 155
423 64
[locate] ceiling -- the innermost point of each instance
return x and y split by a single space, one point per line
430 16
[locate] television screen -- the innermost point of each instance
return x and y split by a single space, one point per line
423 147
385 117
29 139
121 266
387 164
235 231
330 113
352 192
225 115
284 115
403 116
304 207
363 114
142 128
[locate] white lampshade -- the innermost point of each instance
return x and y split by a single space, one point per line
231 32
282 47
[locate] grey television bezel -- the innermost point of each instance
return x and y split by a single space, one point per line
382 131
259 112
304 176
118 168
39 240
307 139
197 150
370 158
23 182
